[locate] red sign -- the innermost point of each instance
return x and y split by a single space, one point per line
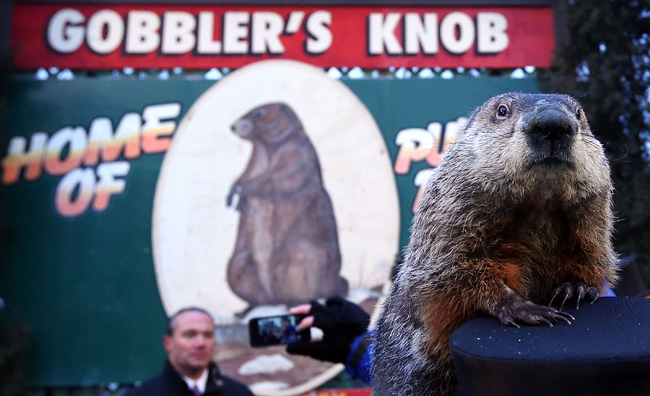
82 36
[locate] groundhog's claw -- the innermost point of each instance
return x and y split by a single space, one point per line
520 309
236 189
568 290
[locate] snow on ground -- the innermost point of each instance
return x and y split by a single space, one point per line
266 364
262 386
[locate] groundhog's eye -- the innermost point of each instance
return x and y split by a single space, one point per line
502 112
259 113
578 113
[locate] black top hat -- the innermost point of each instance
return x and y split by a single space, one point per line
605 351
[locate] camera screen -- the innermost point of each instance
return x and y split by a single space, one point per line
276 330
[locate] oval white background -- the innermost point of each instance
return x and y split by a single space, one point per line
194 231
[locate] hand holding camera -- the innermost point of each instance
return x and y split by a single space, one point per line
341 322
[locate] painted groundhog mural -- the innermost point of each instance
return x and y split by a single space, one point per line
287 248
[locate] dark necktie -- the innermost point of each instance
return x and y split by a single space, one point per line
196 391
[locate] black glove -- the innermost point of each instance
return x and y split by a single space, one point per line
341 322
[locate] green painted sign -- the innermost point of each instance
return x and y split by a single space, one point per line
97 233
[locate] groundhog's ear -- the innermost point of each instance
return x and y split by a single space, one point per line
284 108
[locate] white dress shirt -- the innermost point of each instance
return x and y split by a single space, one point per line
200 382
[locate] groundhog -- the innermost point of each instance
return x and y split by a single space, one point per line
287 248
515 220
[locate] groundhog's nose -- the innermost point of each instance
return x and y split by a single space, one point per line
552 124
243 128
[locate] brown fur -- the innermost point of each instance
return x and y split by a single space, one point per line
518 210
287 249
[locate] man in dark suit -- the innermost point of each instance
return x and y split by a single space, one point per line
189 370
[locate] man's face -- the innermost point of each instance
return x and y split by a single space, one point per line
191 345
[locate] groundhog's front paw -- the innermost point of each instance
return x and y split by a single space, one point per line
516 308
234 190
568 290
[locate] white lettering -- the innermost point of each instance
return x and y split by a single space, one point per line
414 145
422 176
102 142
154 127
320 37
241 33
71 147
421 33
381 33
83 182
492 37
142 36
59 161
206 43
457 33
178 32
235 32
295 20
18 157
266 30
109 21
64 33
111 181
